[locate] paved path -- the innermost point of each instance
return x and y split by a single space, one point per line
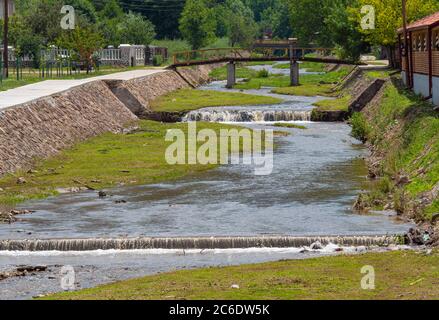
46 88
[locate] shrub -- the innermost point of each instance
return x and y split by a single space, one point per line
360 127
262 73
157 60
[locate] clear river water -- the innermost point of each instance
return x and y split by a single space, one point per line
317 174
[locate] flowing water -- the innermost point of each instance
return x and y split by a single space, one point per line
317 175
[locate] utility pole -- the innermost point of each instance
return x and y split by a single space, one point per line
5 39
406 43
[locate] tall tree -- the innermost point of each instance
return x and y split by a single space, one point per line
164 14
135 29
242 29
196 24
276 19
307 21
84 41
389 19
345 35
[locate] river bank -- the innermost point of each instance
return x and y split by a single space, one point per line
320 278
318 172
402 133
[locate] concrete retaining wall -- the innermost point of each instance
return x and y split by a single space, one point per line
148 88
137 94
41 128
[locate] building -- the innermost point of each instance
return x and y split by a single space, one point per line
423 56
11 8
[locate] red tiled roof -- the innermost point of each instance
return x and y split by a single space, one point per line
423 23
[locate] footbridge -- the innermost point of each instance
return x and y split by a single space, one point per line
259 52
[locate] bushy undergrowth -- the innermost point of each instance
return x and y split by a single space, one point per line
360 127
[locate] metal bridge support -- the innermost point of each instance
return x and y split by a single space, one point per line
231 75
294 73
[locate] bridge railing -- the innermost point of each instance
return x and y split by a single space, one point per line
298 53
221 54
183 57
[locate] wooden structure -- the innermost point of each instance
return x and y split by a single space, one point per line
285 51
423 56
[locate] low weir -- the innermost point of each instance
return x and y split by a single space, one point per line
191 243
239 115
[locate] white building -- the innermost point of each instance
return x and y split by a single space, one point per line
11 8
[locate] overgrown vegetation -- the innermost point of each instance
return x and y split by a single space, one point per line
338 104
308 66
360 127
187 99
404 130
321 278
289 125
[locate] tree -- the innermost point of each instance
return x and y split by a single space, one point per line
307 21
84 41
277 19
164 14
389 19
135 29
196 24
344 30
111 10
242 28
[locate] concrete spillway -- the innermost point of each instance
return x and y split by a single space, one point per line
190 243
239 115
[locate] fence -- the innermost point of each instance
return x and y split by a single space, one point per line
127 55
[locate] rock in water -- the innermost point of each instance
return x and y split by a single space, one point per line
316 246
102 194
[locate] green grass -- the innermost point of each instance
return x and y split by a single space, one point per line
321 278
241 72
272 80
338 104
309 66
378 74
260 63
307 90
103 162
313 84
289 125
187 99
406 131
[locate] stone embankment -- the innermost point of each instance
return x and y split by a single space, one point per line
360 87
41 128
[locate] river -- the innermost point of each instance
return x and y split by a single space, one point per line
317 174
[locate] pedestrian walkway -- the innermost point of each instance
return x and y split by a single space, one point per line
46 88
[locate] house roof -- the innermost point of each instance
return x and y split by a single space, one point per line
423 23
